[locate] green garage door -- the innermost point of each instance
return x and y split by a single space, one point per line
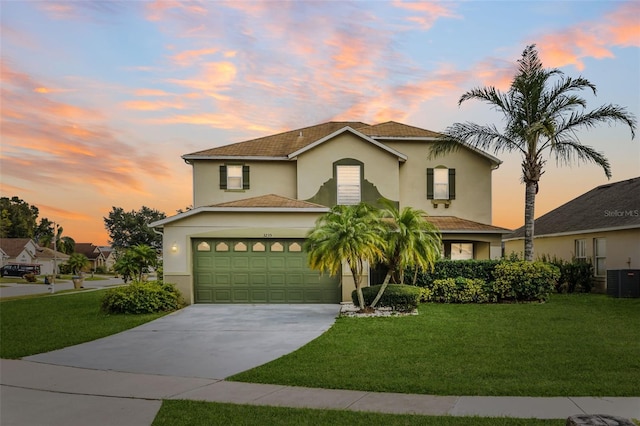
258 271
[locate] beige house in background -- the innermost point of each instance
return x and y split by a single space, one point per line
601 226
255 201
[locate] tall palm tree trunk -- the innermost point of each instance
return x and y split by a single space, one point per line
529 215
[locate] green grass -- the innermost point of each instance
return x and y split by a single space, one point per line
574 345
44 323
194 413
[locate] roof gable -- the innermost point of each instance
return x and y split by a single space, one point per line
14 246
354 132
613 205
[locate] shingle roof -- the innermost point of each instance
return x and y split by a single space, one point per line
394 129
279 145
47 253
88 249
614 205
270 200
456 224
13 246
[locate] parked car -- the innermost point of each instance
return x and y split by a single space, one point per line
19 270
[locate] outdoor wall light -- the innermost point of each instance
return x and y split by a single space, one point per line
174 247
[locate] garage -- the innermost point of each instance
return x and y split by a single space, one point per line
258 271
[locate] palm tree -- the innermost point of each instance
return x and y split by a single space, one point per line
350 234
77 262
136 261
542 116
411 241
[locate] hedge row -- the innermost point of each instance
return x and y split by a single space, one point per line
443 269
512 281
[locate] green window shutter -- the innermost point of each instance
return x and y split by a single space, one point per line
429 184
452 184
245 177
223 177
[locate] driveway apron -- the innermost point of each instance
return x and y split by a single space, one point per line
207 341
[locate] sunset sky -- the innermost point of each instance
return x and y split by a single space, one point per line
100 99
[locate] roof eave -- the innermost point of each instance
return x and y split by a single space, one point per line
189 157
198 210
578 232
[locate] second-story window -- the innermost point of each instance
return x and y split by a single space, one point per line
441 183
348 182
234 177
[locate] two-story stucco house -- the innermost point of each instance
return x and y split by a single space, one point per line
255 201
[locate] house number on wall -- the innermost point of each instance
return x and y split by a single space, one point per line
268 235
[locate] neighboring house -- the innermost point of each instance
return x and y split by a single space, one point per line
19 250
109 257
50 260
93 253
601 226
255 201
26 251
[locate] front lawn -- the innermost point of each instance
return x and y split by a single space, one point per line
45 323
194 413
574 345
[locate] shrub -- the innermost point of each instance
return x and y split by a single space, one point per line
142 298
575 276
525 281
101 269
481 269
399 297
31 278
462 290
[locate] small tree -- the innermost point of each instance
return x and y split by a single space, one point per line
77 262
411 241
135 262
351 234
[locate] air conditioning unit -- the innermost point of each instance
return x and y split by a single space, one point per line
623 282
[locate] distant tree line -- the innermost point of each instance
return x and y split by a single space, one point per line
19 219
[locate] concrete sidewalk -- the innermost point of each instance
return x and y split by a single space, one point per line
43 394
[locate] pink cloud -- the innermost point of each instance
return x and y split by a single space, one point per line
64 144
151 105
188 57
619 28
427 13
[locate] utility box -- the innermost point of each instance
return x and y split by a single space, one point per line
623 282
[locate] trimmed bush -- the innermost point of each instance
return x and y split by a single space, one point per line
399 297
142 298
462 290
443 269
525 281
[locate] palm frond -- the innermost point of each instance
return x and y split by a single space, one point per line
473 135
569 151
604 114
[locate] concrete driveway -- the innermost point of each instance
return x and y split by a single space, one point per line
206 341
